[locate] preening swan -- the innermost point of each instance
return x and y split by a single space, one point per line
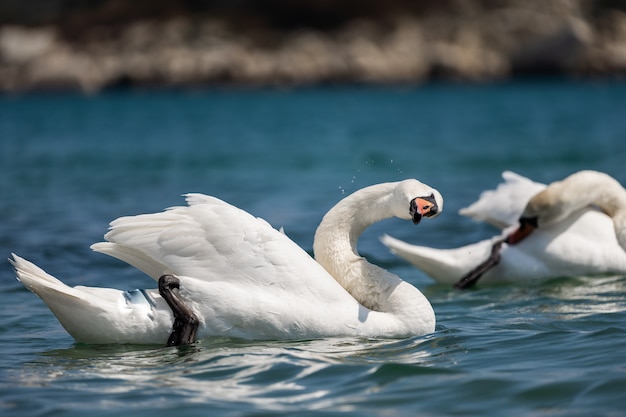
578 228
236 276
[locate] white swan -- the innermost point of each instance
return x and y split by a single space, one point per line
242 278
581 231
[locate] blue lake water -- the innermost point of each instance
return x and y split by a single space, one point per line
69 164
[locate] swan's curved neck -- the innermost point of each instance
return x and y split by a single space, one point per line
584 189
396 307
341 227
335 248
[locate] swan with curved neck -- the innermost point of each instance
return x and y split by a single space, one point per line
335 243
563 198
572 227
223 272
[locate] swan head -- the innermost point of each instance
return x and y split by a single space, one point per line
414 200
542 209
562 198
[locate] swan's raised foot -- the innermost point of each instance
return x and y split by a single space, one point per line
185 321
472 277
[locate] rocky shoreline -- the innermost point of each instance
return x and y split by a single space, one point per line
186 51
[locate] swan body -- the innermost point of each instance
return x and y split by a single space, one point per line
575 238
242 278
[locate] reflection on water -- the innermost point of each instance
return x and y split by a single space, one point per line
583 296
270 375
555 299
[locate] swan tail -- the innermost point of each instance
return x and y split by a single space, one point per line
71 306
134 257
442 265
88 314
39 281
503 206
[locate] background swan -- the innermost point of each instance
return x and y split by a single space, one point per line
242 278
578 239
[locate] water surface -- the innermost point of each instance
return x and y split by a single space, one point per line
71 163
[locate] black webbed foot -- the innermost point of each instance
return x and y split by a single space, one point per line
472 277
185 321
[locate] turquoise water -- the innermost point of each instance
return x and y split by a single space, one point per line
69 164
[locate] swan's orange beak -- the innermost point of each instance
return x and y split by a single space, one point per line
526 227
423 207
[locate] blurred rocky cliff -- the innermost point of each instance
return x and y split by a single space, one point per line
91 45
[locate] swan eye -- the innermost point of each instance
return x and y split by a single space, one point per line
530 221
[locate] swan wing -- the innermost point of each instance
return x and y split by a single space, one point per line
503 206
211 240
